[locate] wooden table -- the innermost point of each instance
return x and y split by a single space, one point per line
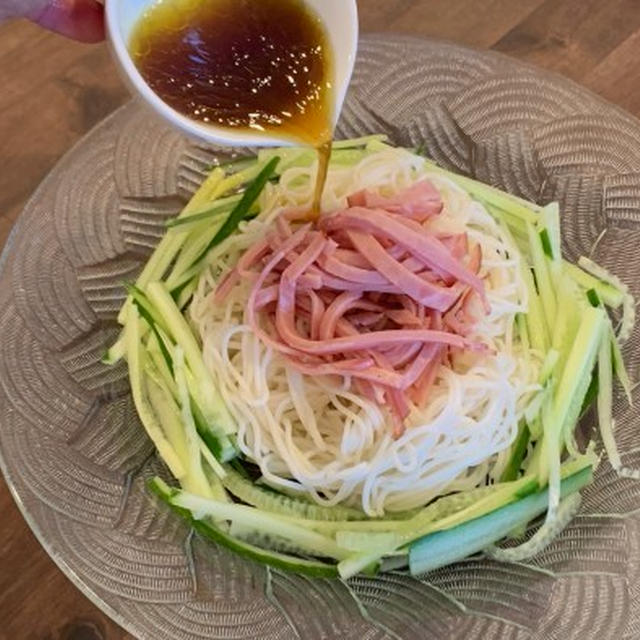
53 91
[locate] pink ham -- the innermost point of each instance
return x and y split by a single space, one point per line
406 281
424 246
370 294
419 202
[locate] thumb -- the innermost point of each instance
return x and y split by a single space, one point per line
79 19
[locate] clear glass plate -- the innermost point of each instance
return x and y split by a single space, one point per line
76 458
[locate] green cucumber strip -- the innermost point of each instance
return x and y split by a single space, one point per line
220 445
169 246
195 389
550 232
176 292
548 365
516 226
146 309
442 508
592 393
527 488
237 180
567 319
204 392
515 206
267 523
116 352
605 404
373 146
163 256
414 529
217 490
269 500
574 382
619 367
154 321
181 436
542 538
288 157
610 295
535 428
159 361
179 281
518 451
546 243
560 421
576 378
594 299
198 239
536 322
195 482
259 539
188 265
178 329
523 331
302 157
168 415
239 212
445 547
145 412
312 568
628 303
543 277
184 270
198 227
223 205
186 293
235 166
366 542
605 409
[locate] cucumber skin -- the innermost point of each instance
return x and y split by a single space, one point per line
481 532
253 495
311 568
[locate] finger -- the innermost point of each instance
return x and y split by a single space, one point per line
79 19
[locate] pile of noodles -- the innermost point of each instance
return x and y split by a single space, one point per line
315 436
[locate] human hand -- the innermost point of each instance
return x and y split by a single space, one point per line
79 19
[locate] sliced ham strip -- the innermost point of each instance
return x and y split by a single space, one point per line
419 202
410 284
369 295
348 272
425 247
335 311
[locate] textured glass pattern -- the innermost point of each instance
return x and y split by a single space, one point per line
76 457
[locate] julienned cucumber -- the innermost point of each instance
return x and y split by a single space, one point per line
242 208
219 422
444 547
313 568
269 500
267 523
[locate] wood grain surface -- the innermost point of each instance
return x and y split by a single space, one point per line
52 91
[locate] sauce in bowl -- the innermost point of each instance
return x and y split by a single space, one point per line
263 65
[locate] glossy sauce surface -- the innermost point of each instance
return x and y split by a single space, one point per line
263 65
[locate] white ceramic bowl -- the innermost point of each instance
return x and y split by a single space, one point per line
341 21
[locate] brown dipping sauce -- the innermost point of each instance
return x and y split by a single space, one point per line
258 65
